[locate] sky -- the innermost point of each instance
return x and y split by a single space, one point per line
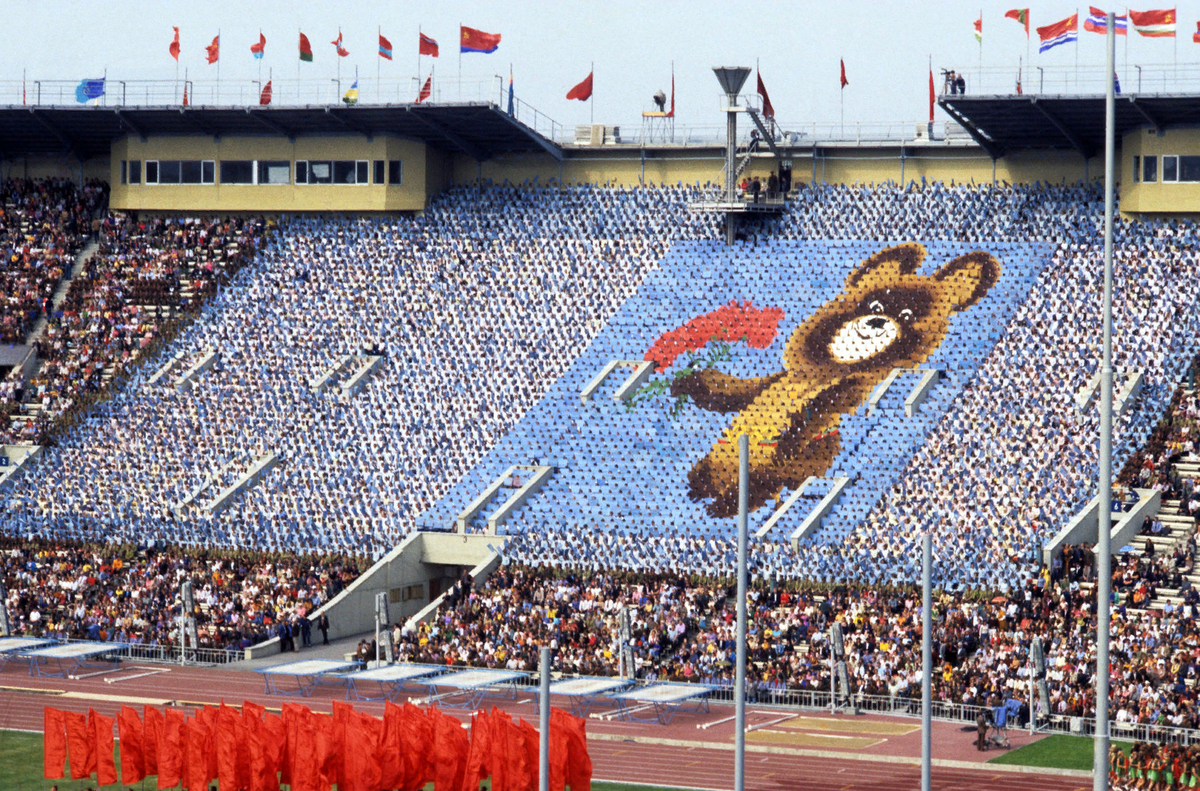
888 49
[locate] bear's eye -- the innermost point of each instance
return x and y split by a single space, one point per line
876 306
906 315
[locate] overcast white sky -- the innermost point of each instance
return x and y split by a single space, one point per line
550 46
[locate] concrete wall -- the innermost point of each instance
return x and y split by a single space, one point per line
1084 527
410 195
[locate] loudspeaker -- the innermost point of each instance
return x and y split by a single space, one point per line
189 600
1038 658
5 625
843 681
1043 691
385 640
835 637
381 608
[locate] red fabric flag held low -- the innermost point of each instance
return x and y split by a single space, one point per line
195 772
391 743
152 725
768 110
532 743
451 746
582 91
129 726
227 748
172 749
102 731
54 744
80 745
579 763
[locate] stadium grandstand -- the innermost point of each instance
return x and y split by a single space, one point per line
304 357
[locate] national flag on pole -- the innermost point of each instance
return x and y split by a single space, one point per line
932 96
88 90
845 82
427 46
337 43
768 110
1196 35
174 48
265 96
1062 32
1097 22
510 92
1154 24
214 49
979 29
582 91
351 96
1022 17
385 47
305 49
257 49
426 89
472 40
672 113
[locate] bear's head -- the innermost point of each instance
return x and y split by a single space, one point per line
888 316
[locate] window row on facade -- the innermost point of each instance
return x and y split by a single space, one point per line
261 172
1175 168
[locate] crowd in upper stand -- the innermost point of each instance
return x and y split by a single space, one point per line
482 303
42 224
110 314
131 594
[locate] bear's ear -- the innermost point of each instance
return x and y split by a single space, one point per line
965 280
903 259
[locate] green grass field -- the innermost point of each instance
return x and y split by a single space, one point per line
21 770
1059 751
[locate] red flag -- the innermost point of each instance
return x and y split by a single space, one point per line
582 91
259 775
391 742
185 96
360 753
768 110
1195 36
672 113
54 744
579 768
451 747
427 46
265 97
479 758
341 51
532 742
385 47
81 745
174 48
979 28
342 714
258 49
102 732
426 89
275 742
172 749
152 726
845 82
305 49
195 771
251 710
1155 24
1021 15
418 738
133 764
932 96
227 748
472 40
214 49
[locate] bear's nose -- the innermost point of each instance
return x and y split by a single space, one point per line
877 323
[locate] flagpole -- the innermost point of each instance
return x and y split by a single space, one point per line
592 98
1077 49
980 78
338 58
299 60
460 60
419 33
378 65
218 96
260 60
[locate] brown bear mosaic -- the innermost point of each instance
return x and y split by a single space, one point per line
887 316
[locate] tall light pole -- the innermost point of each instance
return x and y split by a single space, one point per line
739 694
732 78
1103 548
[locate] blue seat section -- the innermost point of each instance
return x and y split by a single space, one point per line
624 470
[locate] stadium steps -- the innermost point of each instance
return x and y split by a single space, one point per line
60 293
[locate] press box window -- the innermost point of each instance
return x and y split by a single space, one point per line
379 168
135 171
394 172
347 171
175 171
1189 168
1137 169
274 172
1149 169
237 171
1170 168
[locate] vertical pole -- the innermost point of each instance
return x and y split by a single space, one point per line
730 165
926 659
592 98
544 721
739 694
1103 548
1032 712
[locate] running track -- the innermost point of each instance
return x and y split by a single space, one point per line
678 754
